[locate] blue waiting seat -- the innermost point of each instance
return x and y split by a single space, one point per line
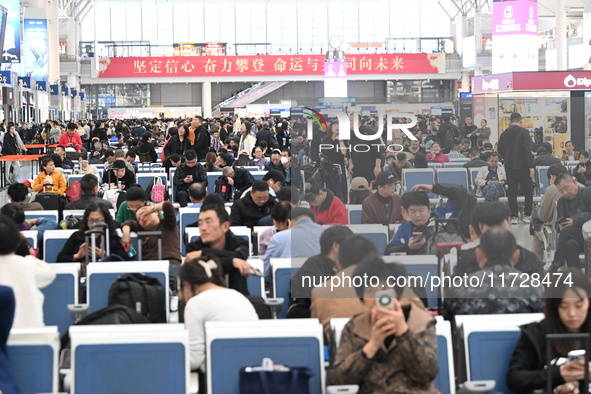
256 284
283 269
417 176
100 277
542 179
135 358
211 178
33 358
59 294
186 217
231 346
41 214
424 266
258 175
75 177
53 243
456 176
144 179
31 237
377 233
354 213
445 380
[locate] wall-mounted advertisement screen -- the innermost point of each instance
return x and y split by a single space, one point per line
515 36
36 48
12 39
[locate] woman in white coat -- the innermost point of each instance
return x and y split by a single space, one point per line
26 275
247 140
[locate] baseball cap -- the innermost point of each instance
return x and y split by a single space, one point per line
359 183
384 178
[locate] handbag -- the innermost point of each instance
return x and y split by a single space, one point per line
274 379
158 191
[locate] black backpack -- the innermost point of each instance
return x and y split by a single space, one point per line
141 293
113 314
223 188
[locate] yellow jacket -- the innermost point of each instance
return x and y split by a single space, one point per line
59 183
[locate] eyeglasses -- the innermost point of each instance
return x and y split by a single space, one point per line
96 220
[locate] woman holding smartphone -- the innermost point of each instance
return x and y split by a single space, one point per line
566 311
390 345
75 247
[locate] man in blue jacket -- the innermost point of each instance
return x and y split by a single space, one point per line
415 205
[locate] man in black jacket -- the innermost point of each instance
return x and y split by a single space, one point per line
264 134
186 174
574 209
447 133
515 148
543 158
89 188
202 139
118 172
239 178
475 160
253 207
491 215
216 238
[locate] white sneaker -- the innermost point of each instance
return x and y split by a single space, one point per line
526 219
514 220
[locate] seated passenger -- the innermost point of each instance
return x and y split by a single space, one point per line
416 209
302 233
19 193
281 216
497 255
148 219
89 188
217 239
491 180
135 199
26 275
573 209
383 206
119 173
49 180
201 287
484 217
566 311
387 347
316 269
327 208
75 247
257 204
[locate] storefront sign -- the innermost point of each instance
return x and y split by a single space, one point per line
532 81
218 66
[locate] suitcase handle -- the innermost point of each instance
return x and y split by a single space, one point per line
105 229
143 234
442 245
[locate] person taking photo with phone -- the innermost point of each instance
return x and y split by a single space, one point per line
391 344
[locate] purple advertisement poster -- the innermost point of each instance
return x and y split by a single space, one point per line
515 17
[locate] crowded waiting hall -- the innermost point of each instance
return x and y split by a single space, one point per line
375 202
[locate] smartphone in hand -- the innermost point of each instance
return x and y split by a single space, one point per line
417 235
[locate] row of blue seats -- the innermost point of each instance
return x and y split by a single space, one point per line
113 358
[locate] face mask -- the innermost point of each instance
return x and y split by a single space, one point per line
284 160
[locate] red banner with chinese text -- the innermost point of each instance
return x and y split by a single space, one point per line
206 66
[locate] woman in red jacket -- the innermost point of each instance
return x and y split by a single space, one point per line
328 208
